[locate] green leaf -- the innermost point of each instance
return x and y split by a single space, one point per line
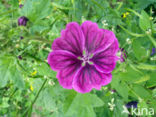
142 4
120 87
99 5
46 100
141 91
36 9
10 71
44 69
154 93
17 77
82 105
69 100
144 21
139 51
130 75
5 64
27 9
152 81
5 103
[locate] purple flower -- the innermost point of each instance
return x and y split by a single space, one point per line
123 55
21 5
84 56
132 103
153 51
22 21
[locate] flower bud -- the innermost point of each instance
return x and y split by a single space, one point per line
22 21
132 103
21 5
123 55
21 37
20 57
153 51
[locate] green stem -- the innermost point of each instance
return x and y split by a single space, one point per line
136 13
13 93
29 110
36 38
152 40
131 33
39 91
29 115
22 68
7 12
120 5
42 40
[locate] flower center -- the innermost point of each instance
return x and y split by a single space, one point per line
86 59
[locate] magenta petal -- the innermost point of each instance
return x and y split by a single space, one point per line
105 61
96 39
66 75
71 40
110 40
66 64
88 77
61 59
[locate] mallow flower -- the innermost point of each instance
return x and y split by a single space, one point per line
22 21
84 56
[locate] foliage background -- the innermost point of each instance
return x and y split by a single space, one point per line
22 79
